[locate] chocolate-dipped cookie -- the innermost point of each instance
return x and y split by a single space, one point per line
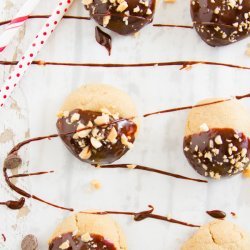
221 22
216 141
102 118
84 231
219 235
121 16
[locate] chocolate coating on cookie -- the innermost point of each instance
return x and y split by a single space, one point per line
221 22
97 144
217 152
91 242
122 16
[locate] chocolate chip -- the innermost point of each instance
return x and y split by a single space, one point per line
29 242
12 161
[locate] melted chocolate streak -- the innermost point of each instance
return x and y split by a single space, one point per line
88 18
158 171
183 64
217 214
26 194
31 174
146 214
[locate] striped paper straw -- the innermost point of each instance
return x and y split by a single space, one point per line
35 47
15 24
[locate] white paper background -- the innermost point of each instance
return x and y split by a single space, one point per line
32 112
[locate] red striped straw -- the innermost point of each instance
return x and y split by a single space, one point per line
14 78
15 24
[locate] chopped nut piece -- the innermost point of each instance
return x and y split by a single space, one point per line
85 154
65 245
218 140
136 9
83 133
95 184
149 12
204 127
169 216
208 155
86 237
239 165
112 136
122 6
217 176
95 132
243 152
125 141
103 119
95 143
131 166
105 22
75 117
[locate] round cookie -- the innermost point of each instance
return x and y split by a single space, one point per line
85 111
218 235
216 141
221 22
121 16
89 232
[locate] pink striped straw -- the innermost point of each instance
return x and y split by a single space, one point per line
14 78
15 24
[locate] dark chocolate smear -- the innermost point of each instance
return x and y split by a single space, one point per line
154 170
183 64
103 39
108 152
14 204
211 158
221 23
75 243
217 214
138 216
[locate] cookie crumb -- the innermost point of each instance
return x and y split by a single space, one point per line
95 184
246 172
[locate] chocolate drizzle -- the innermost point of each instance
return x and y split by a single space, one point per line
173 26
139 216
154 170
217 214
88 18
16 148
183 64
14 204
30 174
103 39
47 16
4 237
